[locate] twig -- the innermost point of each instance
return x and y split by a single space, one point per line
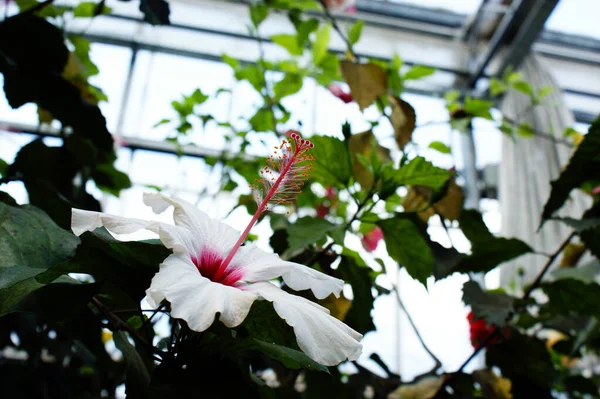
437 361
119 324
546 267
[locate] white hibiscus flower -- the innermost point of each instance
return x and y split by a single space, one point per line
210 272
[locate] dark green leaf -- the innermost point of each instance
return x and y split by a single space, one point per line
3 166
156 12
407 247
583 166
421 172
526 362
585 273
487 251
359 277
28 237
572 297
111 180
264 324
12 275
332 165
493 307
290 358
138 376
308 230
580 225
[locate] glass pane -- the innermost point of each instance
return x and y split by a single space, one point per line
577 17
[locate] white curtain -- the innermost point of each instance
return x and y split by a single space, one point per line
528 166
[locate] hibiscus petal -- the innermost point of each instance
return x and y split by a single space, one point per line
207 232
82 221
196 299
179 239
321 336
259 265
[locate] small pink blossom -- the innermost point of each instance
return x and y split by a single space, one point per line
596 191
341 5
337 91
371 239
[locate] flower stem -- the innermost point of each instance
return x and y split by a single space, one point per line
261 208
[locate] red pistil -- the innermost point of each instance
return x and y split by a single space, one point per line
282 179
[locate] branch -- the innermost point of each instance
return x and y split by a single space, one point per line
437 361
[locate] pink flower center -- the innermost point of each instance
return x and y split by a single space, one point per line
208 264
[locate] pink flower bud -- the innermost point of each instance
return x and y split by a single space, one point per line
596 191
371 239
337 91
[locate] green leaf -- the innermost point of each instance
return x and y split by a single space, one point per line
258 13
440 147
523 87
478 107
572 297
487 251
9 276
111 180
156 12
407 247
290 358
332 165
421 172
360 278
63 299
543 92
304 29
308 230
354 35
28 237
497 87
138 377
418 72
3 166
319 49
288 42
262 120
493 307
583 166
290 84
88 9
264 323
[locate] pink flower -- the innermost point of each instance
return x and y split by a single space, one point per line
596 191
341 5
371 239
337 91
